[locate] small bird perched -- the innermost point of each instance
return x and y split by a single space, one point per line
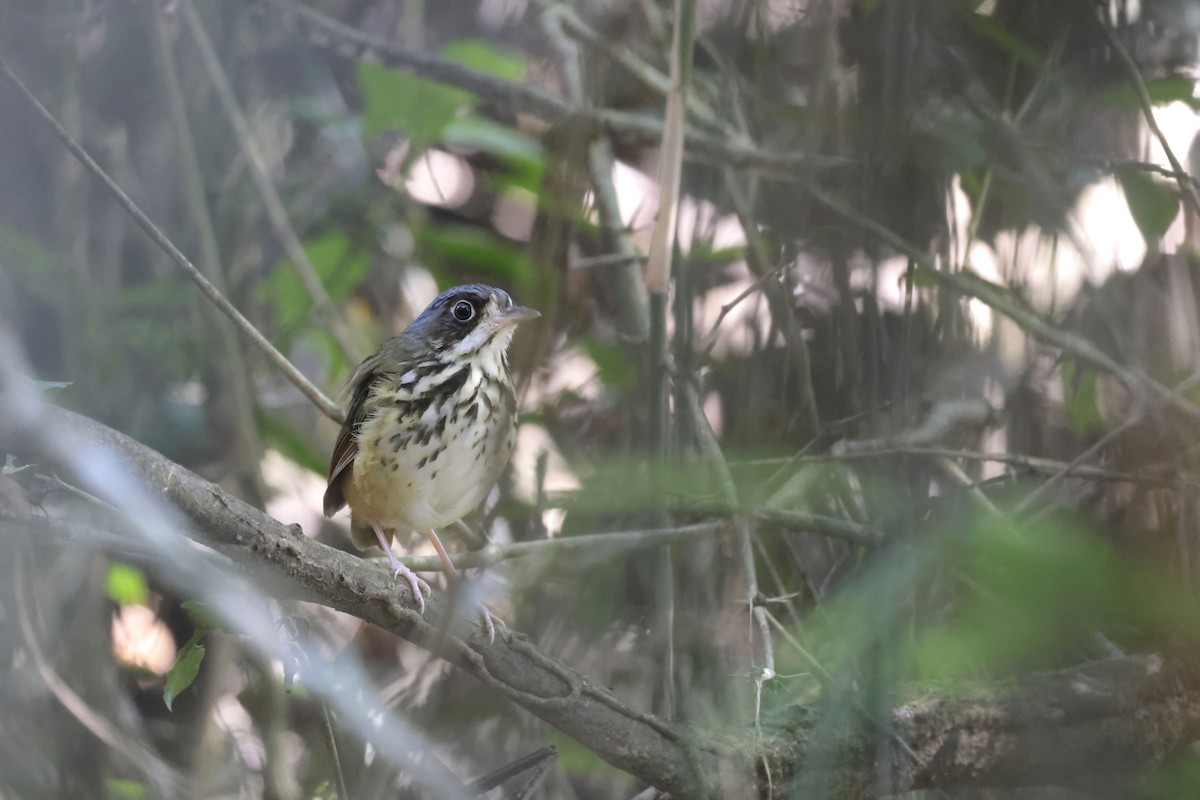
431 424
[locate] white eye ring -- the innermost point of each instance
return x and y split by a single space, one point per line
463 311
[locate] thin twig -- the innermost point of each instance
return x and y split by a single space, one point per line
614 543
732 304
1030 500
633 307
327 406
1017 461
331 741
1186 186
670 158
606 260
712 452
326 312
779 303
568 54
645 73
944 419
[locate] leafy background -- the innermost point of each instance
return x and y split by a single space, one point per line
867 151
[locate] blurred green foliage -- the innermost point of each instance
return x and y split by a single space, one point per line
399 100
1079 393
1152 202
125 789
187 662
126 584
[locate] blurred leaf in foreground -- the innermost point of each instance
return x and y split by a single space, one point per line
187 662
126 584
1152 203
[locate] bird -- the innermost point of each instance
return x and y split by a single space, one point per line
430 425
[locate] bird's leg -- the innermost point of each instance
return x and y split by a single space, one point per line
490 620
419 587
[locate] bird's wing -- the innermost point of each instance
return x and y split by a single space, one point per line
392 358
361 381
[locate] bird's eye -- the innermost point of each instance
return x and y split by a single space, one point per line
463 311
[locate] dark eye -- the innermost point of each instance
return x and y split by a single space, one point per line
463 311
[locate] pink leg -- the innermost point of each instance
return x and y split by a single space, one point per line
419 587
490 620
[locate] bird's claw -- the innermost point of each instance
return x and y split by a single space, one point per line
490 623
420 589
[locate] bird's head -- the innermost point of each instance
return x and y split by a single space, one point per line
470 321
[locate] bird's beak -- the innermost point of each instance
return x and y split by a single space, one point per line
517 314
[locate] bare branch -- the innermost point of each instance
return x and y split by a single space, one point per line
634 307
297 566
670 157
942 420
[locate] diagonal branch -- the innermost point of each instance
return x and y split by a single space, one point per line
327 406
297 566
277 216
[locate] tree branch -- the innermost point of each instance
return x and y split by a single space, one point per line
297 566
1053 728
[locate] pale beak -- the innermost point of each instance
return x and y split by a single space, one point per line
517 314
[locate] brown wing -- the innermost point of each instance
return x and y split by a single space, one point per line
346 447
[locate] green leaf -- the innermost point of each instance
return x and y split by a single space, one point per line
484 56
1079 390
614 365
124 789
400 100
522 155
340 266
1152 203
45 386
184 671
923 278
475 248
1171 89
201 617
126 584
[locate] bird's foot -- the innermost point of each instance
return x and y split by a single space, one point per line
420 588
490 623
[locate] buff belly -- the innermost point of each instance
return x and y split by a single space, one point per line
406 484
